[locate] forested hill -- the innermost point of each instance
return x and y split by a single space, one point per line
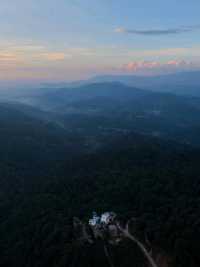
94 150
27 138
134 175
113 106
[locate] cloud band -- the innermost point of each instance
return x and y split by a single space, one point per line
155 32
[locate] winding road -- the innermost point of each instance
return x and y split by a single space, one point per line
128 235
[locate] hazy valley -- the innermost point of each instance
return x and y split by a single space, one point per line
104 146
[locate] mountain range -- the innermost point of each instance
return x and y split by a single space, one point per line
71 150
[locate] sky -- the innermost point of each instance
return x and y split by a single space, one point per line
48 40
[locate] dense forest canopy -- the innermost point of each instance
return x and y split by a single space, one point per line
91 148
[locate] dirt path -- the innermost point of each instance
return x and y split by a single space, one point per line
138 243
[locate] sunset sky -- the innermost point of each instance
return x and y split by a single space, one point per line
48 40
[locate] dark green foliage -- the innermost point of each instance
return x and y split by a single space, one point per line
160 188
46 178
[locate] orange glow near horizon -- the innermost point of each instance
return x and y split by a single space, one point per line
39 62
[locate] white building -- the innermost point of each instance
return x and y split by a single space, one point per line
95 220
107 217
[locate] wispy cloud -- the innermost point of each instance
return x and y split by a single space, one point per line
54 56
155 32
8 57
155 66
9 61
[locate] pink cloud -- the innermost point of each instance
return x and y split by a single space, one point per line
8 57
134 66
54 56
172 65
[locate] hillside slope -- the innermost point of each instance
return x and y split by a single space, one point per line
154 181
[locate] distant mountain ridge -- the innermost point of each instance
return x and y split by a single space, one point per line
107 107
181 83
